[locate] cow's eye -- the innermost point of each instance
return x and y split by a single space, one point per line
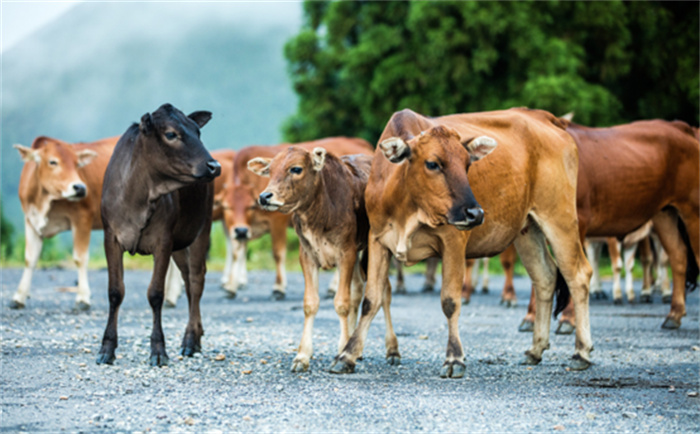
296 170
170 135
53 163
432 165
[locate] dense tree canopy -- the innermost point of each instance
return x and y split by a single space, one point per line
355 63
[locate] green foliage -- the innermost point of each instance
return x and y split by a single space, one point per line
353 64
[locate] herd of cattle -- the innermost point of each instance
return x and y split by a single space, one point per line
452 188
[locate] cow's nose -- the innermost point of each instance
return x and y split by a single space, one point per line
265 197
241 233
475 216
214 168
80 190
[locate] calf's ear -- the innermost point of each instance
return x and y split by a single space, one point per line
200 117
85 157
395 149
260 166
28 154
318 158
480 147
146 126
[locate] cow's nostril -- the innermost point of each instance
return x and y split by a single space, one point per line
265 197
214 167
241 233
475 216
80 190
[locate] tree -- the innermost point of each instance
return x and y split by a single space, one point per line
355 63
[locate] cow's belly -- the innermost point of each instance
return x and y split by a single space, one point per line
491 238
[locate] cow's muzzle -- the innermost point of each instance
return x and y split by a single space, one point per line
470 218
241 233
267 202
76 191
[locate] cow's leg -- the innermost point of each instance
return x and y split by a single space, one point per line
666 226
333 285
192 341
237 277
663 283
431 265
484 275
593 251
32 251
614 248
400 282
173 285
646 258
470 281
115 292
563 235
508 257
393 357
278 232
377 286
228 260
81 256
690 215
156 295
311 304
341 302
356 291
628 254
528 323
452 278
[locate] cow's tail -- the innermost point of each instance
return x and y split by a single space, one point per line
561 291
691 270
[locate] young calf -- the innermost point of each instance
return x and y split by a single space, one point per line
157 199
326 196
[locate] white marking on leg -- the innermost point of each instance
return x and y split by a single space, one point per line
32 251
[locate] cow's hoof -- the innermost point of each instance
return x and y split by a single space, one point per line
526 326
509 303
485 290
454 369
565 328
617 301
401 290
300 364
666 299
465 301
342 367
159 360
645 298
632 300
393 359
169 304
230 294
578 363
428 288
14 304
81 306
330 294
671 324
190 350
105 358
599 295
530 360
278 295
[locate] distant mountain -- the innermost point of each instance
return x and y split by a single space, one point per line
99 67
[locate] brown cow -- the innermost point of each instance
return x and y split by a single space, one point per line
157 200
325 195
246 221
420 204
60 189
630 174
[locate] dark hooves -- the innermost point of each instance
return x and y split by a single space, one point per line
466 301
81 306
340 366
454 369
169 304
105 358
189 351
16 305
578 363
330 294
401 290
671 324
485 290
230 294
509 303
159 360
666 299
393 359
428 288
565 328
278 295
644 298
526 326
530 360
617 301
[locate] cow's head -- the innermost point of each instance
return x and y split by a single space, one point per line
293 173
239 204
436 174
171 145
57 167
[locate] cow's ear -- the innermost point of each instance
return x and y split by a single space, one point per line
146 126
85 157
28 154
480 147
318 158
200 117
260 166
395 149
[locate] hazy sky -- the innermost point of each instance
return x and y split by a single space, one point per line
21 18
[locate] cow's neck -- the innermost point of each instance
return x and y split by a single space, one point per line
319 210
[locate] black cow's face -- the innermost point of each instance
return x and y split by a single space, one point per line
174 147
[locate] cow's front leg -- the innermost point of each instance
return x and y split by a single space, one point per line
237 277
32 251
81 257
115 266
431 265
278 233
450 298
341 302
377 283
311 304
156 294
228 261
192 341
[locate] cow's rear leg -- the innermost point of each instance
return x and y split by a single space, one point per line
197 252
400 283
431 265
450 297
341 302
173 285
156 295
646 258
507 258
628 254
311 304
32 251
115 294
593 251
471 279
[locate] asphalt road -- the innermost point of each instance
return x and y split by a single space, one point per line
644 378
